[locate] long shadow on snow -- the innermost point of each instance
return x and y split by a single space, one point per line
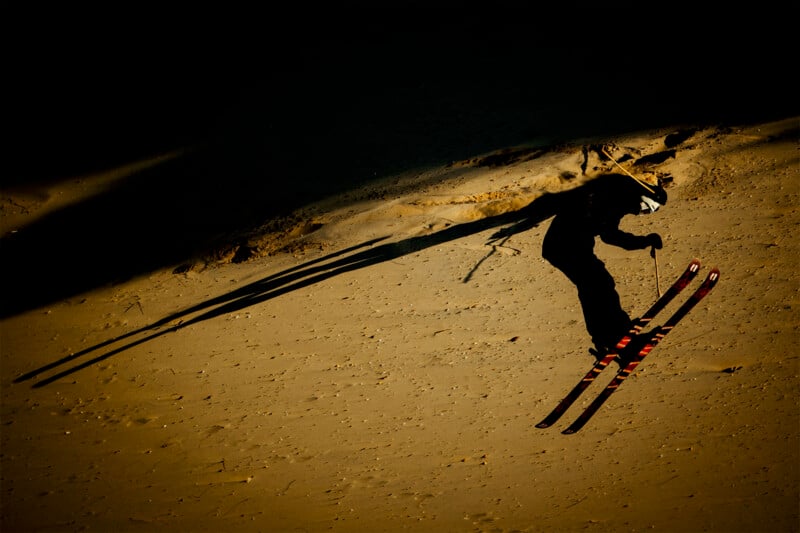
309 273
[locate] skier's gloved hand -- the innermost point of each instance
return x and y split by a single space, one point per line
654 241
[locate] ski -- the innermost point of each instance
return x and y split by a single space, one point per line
656 336
638 324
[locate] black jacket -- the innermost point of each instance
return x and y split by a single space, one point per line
594 210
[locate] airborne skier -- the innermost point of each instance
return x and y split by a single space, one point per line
579 216
596 209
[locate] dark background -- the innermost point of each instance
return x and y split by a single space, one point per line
291 105
92 88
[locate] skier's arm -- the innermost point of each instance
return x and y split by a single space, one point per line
628 241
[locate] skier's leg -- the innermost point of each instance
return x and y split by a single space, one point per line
606 321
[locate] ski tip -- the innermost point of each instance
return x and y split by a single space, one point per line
542 425
569 431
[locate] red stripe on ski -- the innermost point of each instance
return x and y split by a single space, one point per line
680 284
656 337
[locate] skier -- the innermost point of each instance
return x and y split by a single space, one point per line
593 210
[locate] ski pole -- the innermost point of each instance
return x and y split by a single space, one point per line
640 182
655 258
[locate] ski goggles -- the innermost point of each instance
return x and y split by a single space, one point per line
648 205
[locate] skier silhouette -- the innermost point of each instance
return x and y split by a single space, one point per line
596 210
